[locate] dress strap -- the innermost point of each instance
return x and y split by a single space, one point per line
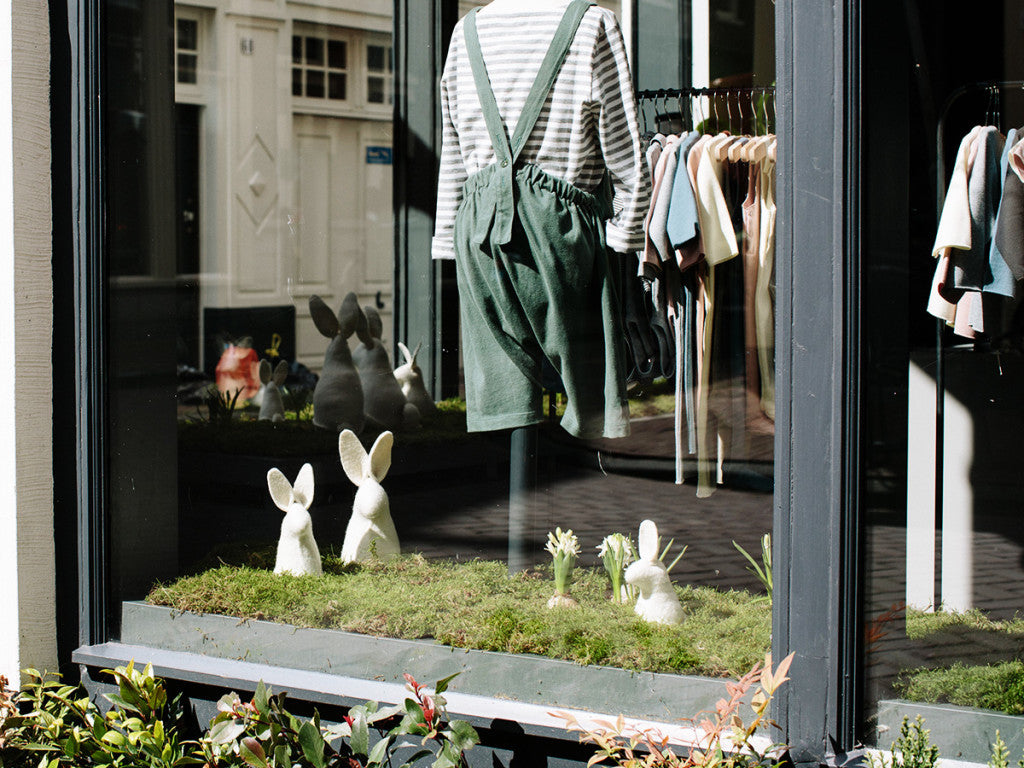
499 138
548 72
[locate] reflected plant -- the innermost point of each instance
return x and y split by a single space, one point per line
617 551
564 548
911 749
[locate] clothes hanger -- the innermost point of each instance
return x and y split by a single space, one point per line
720 149
735 153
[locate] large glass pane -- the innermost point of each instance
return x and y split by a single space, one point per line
251 271
943 377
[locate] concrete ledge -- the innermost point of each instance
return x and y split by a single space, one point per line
546 683
961 733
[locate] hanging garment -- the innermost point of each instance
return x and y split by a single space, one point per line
1009 238
587 128
533 275
1017 156
764 299
953 233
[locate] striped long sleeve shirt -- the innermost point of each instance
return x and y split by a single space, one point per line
588 124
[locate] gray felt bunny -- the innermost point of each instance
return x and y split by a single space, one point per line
385 404
338 397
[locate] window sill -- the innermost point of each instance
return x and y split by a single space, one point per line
335 667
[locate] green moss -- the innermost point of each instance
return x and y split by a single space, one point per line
997 686
921 624
476 604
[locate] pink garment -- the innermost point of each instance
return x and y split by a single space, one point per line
651 258
1017 159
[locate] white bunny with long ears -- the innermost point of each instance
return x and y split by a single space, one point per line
658 601
410 377
271 403
297 552
370 529
338 397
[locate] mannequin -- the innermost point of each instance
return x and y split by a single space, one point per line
538 122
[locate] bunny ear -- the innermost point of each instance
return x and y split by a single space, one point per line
410 358
323 318
264 372
416 352
353 456
374 325
280 373
352 318
648 541
380 456
280 489
303 490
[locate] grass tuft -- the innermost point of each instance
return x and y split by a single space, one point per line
475 604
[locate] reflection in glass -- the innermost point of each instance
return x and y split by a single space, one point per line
281 161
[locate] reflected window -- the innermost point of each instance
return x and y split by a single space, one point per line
379 73
320 67
186 41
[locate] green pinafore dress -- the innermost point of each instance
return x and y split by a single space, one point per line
533 276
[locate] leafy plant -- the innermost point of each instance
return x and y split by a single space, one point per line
220 406
762 570
724 740
422 715
912 749
61 726
665 551
1000 754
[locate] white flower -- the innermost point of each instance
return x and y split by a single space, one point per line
563 543
619 546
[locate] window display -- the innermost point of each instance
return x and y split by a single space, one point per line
261 343
943 411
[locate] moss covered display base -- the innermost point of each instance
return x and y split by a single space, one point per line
475 604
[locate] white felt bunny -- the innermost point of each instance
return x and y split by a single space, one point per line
384 402
338 397
658 601
271 403
370 529
410 377
297 552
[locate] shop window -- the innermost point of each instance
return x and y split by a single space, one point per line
282 208
941 400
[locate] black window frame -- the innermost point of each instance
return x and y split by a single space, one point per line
817 327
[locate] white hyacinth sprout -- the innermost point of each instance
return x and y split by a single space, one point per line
617 552
564 548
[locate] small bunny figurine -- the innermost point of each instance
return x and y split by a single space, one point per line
297 552
410 377
385 404
271 403
338 397
658 601
370 528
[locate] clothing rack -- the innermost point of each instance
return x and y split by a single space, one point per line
731 94
922 548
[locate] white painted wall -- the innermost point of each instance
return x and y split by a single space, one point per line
27 582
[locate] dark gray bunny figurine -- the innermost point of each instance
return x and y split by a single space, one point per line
338 397
386 405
